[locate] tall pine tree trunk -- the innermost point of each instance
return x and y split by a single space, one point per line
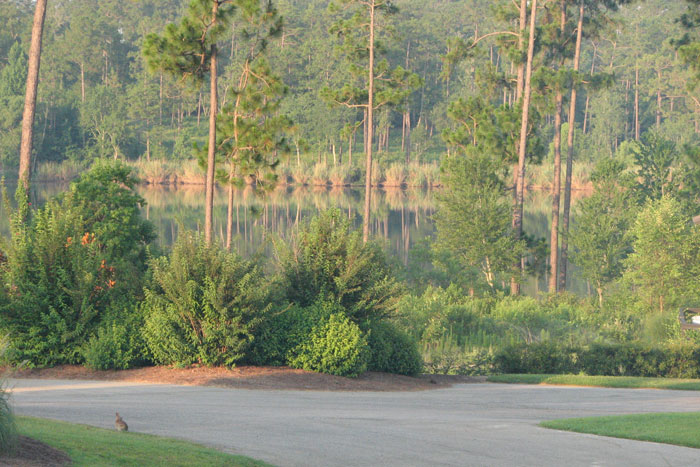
211 154
564 255
522 147
636 101
229 212
370 128
521 43
556 183
25 152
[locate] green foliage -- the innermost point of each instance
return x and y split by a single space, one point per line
117 345
662 268
657 160
110 208
473 218
279 336
600 235
328 261
203 304
336 347
681 360
8 429
392 350
12 81
185 50
60 281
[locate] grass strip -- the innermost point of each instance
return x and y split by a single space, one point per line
682 429
89 446
628 382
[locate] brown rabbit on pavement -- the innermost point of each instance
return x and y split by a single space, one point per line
120 424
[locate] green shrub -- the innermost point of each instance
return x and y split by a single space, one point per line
541 357
8 430
117 345
281 333
393 351
446 358
336 347
69 263
677 360
203 304
328 261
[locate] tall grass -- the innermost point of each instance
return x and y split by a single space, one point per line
64 171
340 176
395 175
320 174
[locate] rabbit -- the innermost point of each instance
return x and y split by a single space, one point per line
120 424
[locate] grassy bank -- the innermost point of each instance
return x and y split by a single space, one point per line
682 429
90 446
392 175
625 382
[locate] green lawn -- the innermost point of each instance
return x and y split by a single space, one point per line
682 429
90 446
629 382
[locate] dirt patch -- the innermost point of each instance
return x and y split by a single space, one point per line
252 377
32 453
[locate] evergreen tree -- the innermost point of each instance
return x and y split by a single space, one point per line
189 51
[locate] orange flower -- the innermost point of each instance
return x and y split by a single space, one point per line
86 239
69 241
111 283
102 266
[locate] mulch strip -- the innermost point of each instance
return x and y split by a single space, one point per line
32 453
252 377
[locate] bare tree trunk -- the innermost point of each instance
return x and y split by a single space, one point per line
82 82
636 101
211 155
25 152
229 213
556 184
522 148
370 125
521 43
564 254
658 102
408 136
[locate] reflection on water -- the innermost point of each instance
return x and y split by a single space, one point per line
400 218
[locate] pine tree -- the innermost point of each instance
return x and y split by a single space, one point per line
188 51
383 85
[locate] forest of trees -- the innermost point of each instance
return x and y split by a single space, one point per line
488 90
97 98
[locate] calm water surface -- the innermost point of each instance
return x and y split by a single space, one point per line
400 217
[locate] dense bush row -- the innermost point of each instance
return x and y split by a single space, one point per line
81 284
681 360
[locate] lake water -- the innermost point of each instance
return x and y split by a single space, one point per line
400 217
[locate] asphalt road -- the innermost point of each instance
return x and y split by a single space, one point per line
469 424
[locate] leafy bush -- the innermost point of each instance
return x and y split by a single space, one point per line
8 430
328 261
393 351
336 347
116 345
58 285
70 262
629 359
281 333
541 357
446 358
203 304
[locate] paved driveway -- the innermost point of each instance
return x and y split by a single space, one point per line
469 424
